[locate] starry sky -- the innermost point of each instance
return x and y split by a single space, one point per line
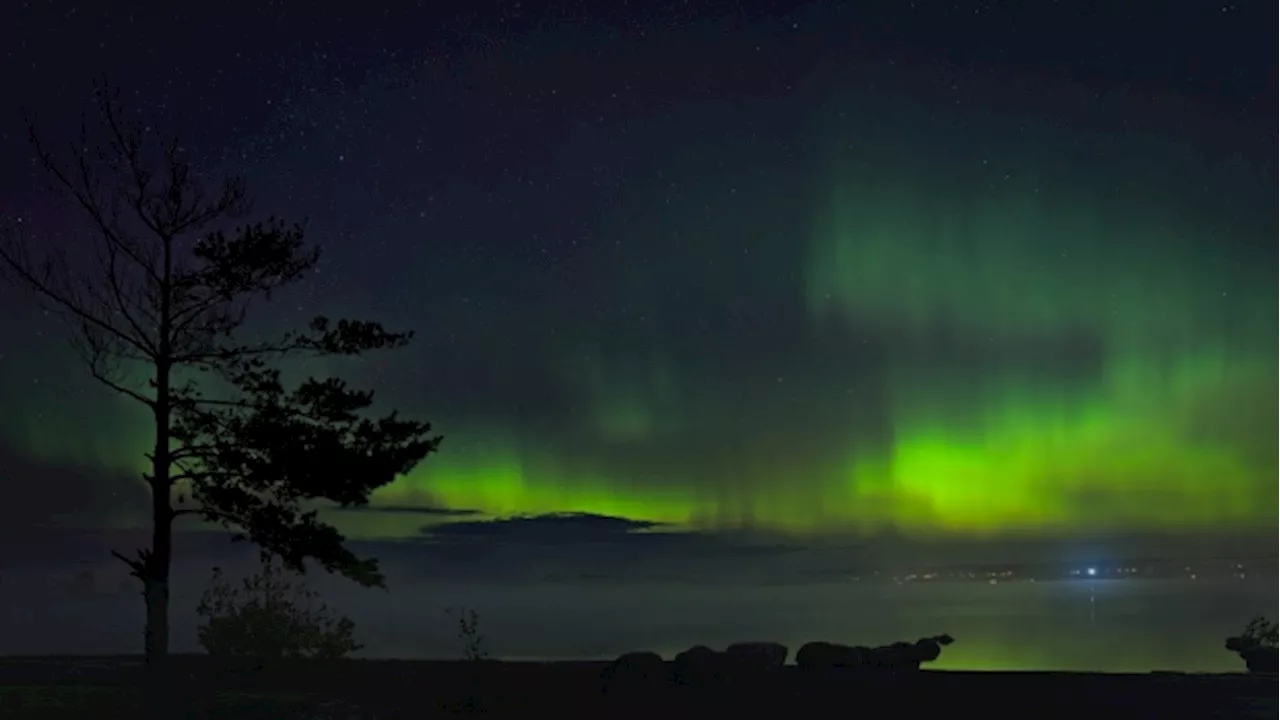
810 270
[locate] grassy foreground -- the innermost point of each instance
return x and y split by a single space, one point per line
196 687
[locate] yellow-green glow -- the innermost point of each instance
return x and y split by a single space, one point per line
504 487
1058 354
1014 479
1126 449
1008 449
65 434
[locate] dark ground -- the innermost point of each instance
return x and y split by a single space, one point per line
196 687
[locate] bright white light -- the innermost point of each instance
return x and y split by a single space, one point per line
1091 572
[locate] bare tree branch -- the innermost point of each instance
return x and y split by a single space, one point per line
132 394
15 261
138 567
155 292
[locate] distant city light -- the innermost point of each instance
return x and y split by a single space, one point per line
1091 572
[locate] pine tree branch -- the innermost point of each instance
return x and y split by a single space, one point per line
207 513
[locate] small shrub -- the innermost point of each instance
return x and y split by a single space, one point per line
467 622
1261 633
1257 646
271 615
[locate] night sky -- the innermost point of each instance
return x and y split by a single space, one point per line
926 271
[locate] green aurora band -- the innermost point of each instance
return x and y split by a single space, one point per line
1171 428
1149 442
1151 409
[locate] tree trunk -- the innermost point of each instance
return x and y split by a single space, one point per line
160 700
156 634
156 582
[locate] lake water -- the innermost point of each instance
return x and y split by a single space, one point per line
1105 625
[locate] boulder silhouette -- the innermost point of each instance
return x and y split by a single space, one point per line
698 664
899 656
640 666
819 654
1261 659
930 648
757 654
1259 655
927 650
894 656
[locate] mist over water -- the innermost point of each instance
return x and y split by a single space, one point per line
1084 625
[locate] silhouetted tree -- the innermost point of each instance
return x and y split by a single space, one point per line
1260 632
156 313
271 615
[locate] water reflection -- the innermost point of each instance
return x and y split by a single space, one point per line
1108 625
1084 624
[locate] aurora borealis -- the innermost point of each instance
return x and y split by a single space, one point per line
924 297
1038 358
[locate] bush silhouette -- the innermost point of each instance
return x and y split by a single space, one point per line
1256 646
271 615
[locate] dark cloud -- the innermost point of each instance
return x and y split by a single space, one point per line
409 510
553 528
581 547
